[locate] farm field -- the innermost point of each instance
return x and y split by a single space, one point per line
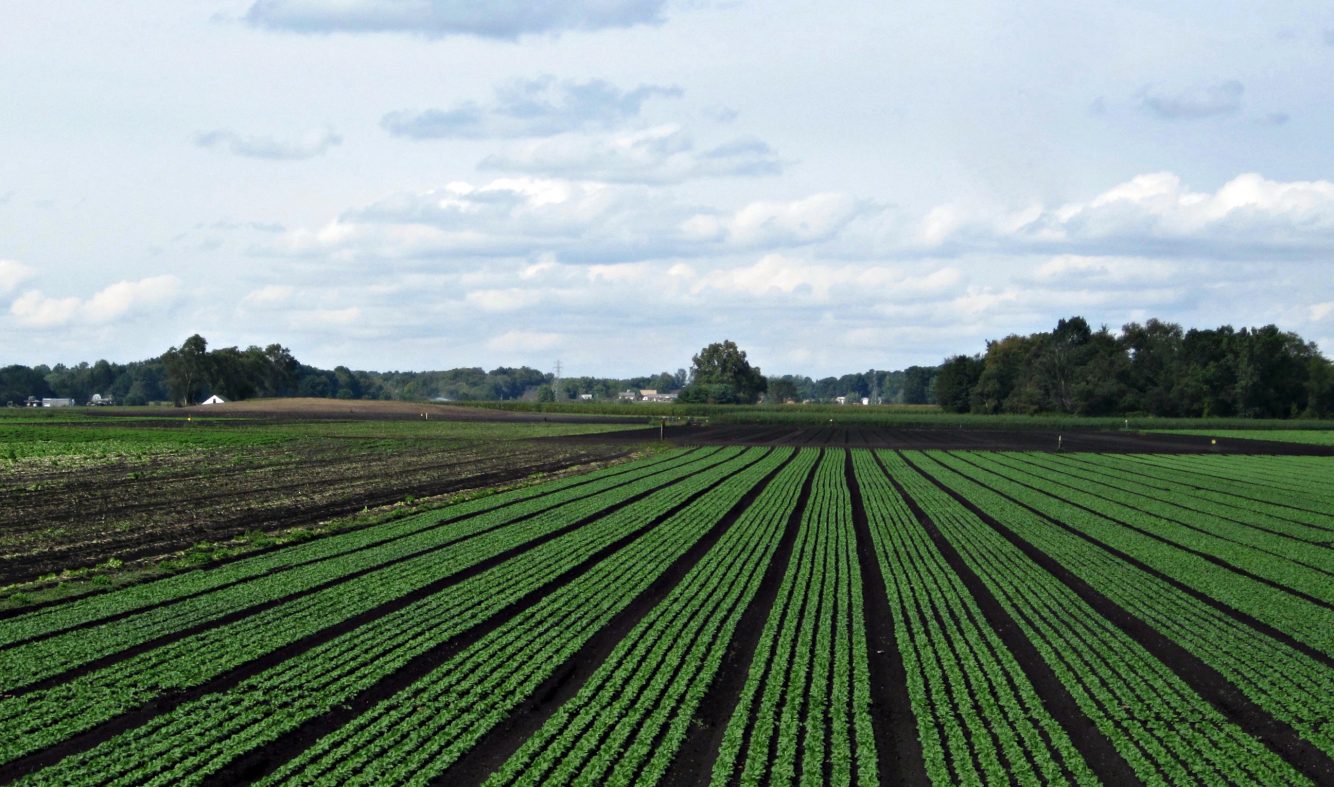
134 485
730 614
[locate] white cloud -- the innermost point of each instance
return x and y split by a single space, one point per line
662 154
524 341
1156 214
12 274
270 295
805 277
122 299
503 300
504 19
309 145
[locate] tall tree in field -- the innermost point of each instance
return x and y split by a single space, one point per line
722 367
187 369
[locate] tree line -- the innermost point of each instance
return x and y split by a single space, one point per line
1156 368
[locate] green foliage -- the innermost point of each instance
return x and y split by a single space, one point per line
720 374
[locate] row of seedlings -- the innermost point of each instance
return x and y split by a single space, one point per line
418 590
628 721
979 719
1286 682
1310 623
1163 729
291 576
803 714
203 734
415 735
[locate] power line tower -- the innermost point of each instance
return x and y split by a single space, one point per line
555 380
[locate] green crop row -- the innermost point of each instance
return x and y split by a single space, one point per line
1284 681
979 719
31 722
1130 695
203 734
1291 482
415 735
186 600
1245 498
629 719
1308 622
808 680
1199 526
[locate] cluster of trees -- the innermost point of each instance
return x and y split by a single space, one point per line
1155 369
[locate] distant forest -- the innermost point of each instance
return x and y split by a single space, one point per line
1156 368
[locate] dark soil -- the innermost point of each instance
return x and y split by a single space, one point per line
144 508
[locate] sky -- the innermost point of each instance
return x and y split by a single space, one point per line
613 184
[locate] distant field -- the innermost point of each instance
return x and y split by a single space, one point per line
761 615
1303 436
926 416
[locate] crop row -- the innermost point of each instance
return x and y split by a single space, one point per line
1263 525
978 716
1247 496
419 732
1287 683
301 573
1263 554
804 714
1130 695
203 734
523 501
32 722
1297 617
628 721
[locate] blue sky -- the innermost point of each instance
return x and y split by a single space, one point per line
418 184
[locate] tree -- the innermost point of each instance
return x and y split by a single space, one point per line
187 370
723 363
782 389
955 381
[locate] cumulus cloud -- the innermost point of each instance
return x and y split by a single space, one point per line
506 217
309 145
769 223
776 273
662 154
37 310
529 108
524 341
1158 214
269 296
1195 103
12 274
503 19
